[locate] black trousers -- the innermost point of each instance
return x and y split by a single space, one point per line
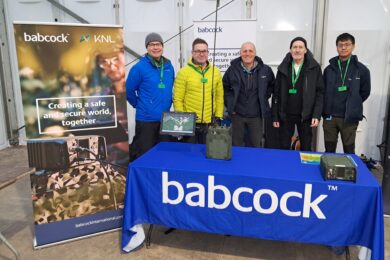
287 129
200 135
252 126
147 135
332 128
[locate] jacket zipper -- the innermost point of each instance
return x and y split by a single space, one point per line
203 99
305 91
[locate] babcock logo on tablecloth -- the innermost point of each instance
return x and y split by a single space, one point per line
197 198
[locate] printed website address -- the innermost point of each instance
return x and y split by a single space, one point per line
93 222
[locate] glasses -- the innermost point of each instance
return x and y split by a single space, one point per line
156 44
200 51
104 63
344 45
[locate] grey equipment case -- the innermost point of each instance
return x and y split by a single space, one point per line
219 143
338 167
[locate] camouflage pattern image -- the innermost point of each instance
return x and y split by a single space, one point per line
77 191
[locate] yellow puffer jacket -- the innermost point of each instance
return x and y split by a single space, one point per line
192 92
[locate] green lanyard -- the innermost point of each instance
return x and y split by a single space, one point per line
161 84
294 78
203 79
343 87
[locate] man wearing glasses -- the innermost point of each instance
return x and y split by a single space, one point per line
347 86
193 90
149 91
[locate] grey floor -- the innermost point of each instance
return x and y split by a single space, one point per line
17 226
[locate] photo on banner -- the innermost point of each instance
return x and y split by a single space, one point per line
72 80
231 34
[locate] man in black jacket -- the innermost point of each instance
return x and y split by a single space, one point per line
248 84
347 86
298 96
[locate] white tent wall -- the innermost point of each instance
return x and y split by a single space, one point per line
3 130
3 101
278 22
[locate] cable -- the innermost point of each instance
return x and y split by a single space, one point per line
212 73
181 32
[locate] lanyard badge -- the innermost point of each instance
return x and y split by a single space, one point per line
294 78
161 84
343 87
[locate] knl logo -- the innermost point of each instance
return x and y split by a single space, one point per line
85 38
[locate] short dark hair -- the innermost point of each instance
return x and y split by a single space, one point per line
198 41
345 37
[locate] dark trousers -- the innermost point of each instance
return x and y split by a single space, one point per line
287 129
332 128
253 126
147 135
200 135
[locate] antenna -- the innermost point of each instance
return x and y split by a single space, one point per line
212 74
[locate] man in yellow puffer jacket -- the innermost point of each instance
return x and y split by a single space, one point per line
192 90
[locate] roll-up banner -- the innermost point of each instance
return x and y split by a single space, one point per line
231 34
72 80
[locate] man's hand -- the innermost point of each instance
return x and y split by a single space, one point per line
276 124
314 122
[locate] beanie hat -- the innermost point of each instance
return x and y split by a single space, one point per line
298 39
153 37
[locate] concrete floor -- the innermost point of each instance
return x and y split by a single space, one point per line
16 224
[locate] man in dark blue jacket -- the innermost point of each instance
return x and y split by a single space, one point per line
149 91
347 86
248 84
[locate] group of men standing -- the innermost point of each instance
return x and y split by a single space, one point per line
301 94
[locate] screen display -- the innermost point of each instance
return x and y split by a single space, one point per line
178 123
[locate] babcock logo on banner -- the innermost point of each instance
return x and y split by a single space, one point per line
45 38
230 35
209 30
197 198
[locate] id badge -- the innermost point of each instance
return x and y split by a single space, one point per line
161 85
203 80
292 91
342 88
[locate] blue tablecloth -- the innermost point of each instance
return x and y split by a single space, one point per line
261 193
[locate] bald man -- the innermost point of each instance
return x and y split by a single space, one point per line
248 84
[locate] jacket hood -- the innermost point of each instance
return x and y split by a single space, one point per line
309 61
237 62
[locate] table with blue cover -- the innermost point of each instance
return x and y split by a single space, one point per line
260 193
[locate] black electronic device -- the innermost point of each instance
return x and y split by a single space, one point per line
178 123
338 167
62 153
219 143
